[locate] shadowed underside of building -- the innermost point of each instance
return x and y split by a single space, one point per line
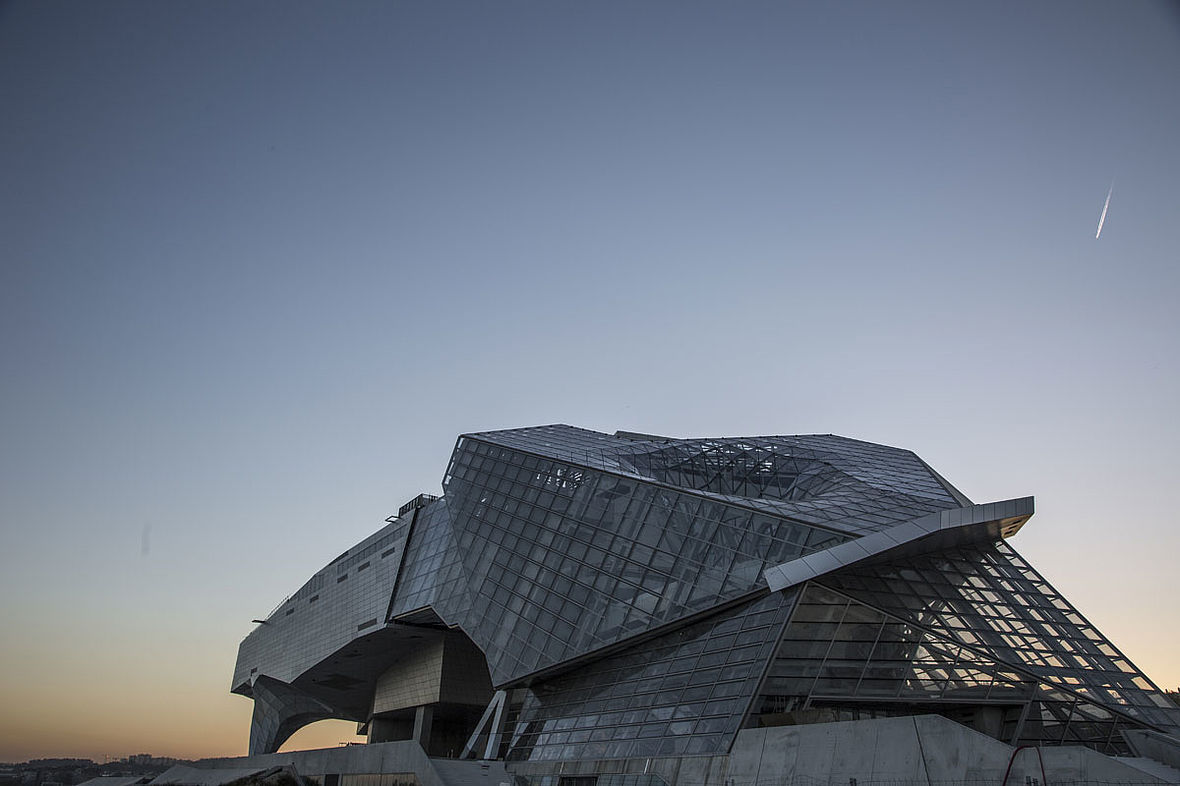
576 600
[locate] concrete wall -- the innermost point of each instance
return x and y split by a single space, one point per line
384 757
683 771
926 749
347 759
1073 763
465 673
920 750
324 615
1161 747
450 670
414 680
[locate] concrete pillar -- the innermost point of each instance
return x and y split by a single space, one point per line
990 721
279 711
423 720
390 729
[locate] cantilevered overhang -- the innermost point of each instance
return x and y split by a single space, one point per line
941 530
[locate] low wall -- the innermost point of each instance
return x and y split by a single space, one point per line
1152 744
381 757
924 749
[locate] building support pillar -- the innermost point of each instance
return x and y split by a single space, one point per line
279 711
423 721
489 726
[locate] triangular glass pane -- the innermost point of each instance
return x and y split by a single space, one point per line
988 598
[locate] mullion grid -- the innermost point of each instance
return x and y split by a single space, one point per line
1063 708
682 693
650 586
938 671
753 469
890 505
880 466
923 668
425 560
1027 623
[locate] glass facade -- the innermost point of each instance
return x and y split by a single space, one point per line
988 598
562 560
615 585
836 482
682 693
433 575
840 659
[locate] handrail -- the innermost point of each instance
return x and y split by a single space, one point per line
1012 758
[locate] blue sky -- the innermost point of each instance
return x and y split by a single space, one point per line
260 263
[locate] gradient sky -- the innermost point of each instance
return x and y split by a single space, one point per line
261 262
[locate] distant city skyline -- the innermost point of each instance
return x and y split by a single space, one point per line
262 263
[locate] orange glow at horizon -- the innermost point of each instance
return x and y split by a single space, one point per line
259 272
103 701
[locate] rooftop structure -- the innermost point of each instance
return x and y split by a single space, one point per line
575 596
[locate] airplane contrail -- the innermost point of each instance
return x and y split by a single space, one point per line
1105 207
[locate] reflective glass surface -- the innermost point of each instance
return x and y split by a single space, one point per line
562 560
841 659
432 574
589 569
821 479
988 598
682 693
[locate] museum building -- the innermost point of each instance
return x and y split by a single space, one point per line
582 598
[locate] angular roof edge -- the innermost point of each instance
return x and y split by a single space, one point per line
968 524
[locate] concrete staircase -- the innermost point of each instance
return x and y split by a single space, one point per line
1151 767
